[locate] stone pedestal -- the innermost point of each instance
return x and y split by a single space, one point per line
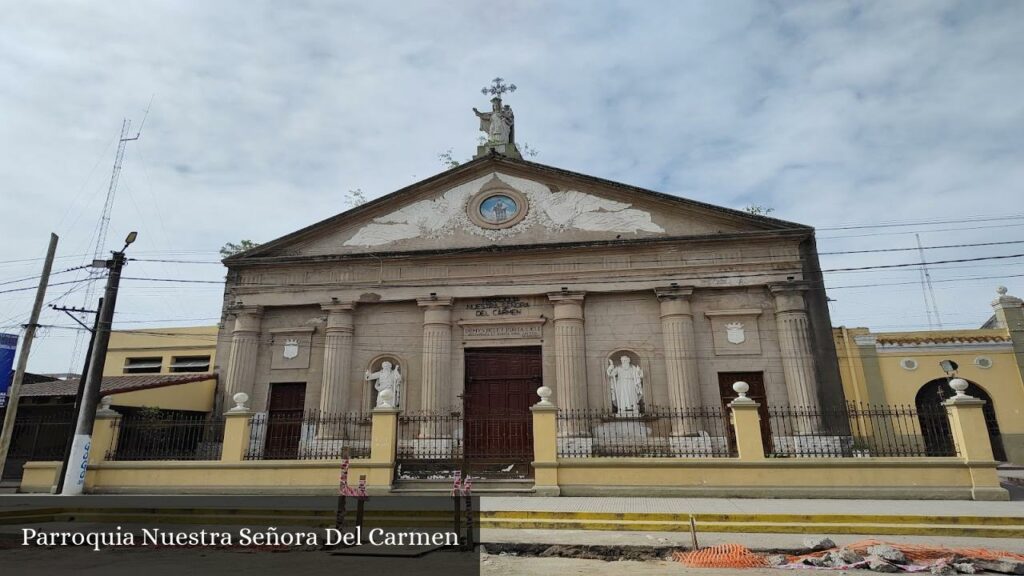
335 388
680 353
241 372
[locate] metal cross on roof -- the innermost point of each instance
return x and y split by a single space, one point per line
498 87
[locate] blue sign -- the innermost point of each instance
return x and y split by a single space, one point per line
8 344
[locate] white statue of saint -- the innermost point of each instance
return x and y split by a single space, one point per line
627 386
499 123
387 378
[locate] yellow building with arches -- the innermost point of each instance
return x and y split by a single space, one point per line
903 368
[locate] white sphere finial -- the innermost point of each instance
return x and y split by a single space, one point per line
741 388
545 396
959 385
240 399
386 398
1001 290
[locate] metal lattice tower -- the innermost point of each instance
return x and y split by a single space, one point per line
104 223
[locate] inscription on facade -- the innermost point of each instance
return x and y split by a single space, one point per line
502 306
495 332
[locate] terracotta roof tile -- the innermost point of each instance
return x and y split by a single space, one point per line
113 384
940 339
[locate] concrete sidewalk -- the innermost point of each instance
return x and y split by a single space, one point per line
646 505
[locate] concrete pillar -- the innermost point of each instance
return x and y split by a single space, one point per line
794 334
967 421
437 352
105 430
334 391
236 435
746 423
383 448
545 445
570 350
245 340
680 353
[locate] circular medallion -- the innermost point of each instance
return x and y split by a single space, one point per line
496 208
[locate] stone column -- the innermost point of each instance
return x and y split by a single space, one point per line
337 357
794 334
570 351
437 352
245 340
680 353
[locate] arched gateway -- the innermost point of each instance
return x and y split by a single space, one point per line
931 396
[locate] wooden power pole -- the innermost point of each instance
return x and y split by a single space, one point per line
26 348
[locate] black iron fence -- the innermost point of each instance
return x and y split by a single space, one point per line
658 432
37 438
860 430
167 437
310 436
430 444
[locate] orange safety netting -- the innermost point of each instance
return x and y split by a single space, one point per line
920 553
721 556
737 556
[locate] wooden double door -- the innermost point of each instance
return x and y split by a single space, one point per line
284 420
501 385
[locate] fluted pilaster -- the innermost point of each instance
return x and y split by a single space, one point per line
680 346
795 346
570 350
335 388
437 351
241 372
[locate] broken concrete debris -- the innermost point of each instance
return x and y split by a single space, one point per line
887 552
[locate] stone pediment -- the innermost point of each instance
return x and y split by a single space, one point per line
501 201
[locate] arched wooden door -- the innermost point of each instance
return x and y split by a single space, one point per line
934 393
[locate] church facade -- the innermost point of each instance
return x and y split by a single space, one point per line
468 291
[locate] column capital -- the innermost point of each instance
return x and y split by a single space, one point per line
247 318
566 296
245 310
1004 300
795 286
334 307
789 296
435 301
674 292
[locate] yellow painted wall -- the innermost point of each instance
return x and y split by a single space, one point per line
194 396
1002 382
171 342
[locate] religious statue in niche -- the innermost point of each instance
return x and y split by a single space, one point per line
387 378
626 382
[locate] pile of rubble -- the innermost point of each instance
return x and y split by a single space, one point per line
880 557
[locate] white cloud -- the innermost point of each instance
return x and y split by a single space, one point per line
266 113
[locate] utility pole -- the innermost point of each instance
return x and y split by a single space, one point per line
78 461
81 379
26 348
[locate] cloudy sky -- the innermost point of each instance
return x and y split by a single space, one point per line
263 116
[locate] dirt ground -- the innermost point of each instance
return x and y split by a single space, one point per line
531 566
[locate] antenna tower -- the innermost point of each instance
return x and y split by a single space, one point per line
104 223
931 306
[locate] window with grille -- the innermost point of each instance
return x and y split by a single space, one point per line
190 364
148 365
